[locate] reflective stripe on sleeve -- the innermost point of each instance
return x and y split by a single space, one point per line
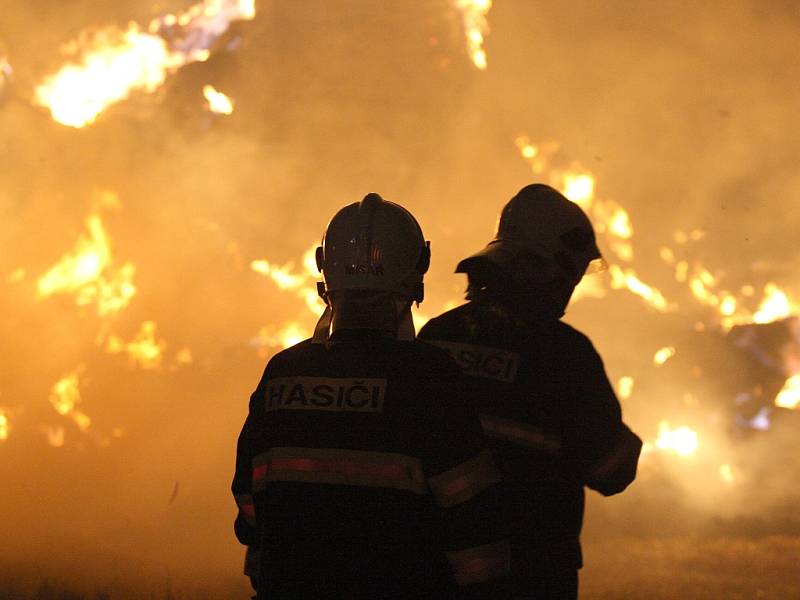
246 507
337 466
625 449
464 481
521 434
481 563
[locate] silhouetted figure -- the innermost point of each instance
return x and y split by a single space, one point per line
545 401
360 474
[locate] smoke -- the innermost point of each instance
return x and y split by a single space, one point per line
686 114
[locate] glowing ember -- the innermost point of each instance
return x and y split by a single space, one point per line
184 357
144 350
217 101
625 387
109 64
65 395
681 440
476 27
87 272
55 436
662 355
5 425
789 396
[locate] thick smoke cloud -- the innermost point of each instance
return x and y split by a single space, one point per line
686 113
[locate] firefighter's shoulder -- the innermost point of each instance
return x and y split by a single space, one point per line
574 341
449 322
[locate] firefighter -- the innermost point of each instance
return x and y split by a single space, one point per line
544 399
360 474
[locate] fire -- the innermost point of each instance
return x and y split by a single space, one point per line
578 187
476 27
5 425
627 279
65 396
789 396
217 101
775 305
662 355
144 350
108 65
290 334
303 283
681 440
88 273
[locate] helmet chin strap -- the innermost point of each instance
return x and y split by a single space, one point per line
383 312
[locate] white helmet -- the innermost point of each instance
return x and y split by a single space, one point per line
374 245
540 223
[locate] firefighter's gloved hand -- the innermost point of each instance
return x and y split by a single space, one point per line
252 567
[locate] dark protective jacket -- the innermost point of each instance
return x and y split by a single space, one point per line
361 474
553 420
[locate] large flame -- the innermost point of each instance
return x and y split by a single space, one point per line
109 64
88 272
476 27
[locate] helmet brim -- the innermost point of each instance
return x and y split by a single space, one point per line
496 252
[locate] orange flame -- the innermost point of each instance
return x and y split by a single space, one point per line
789 396
110 63
627 279
144 350
680 440
476 27
65 396
87 273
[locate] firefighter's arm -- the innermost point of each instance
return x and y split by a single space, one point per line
462 476
604 449
245 524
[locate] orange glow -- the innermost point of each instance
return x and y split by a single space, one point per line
107 65
625 387
476 27
5 425
681 440
726 473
